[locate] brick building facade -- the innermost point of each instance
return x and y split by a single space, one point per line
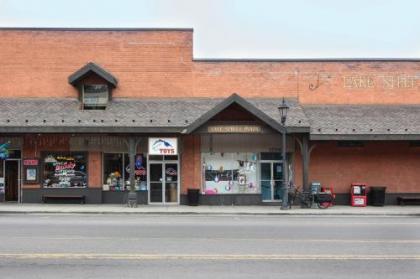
354 120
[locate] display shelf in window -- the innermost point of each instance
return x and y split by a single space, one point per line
117 172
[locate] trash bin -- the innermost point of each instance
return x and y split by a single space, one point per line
377 196
193 195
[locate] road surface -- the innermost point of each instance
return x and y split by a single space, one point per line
180 246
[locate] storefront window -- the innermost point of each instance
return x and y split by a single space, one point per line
230 173
113 171
65 170
117 172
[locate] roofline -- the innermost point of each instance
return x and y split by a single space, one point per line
90 129
367 137
90 29
235 98
95 68
268 60
356 105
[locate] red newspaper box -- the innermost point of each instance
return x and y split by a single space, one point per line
358 194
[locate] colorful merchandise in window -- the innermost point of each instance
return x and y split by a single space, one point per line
64 170
230 173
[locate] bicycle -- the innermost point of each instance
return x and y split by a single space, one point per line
322 200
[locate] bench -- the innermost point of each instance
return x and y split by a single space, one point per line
403 200
81 198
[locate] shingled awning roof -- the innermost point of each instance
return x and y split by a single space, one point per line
122 115
364 122
235 99
92 68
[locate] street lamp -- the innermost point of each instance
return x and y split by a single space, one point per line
283 108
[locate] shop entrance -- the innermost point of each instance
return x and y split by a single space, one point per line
271 178
11 169
163 182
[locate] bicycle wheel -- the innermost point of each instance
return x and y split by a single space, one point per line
323 205
306 200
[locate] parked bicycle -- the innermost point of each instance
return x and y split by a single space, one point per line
321 200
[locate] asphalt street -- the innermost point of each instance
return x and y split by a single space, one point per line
201 246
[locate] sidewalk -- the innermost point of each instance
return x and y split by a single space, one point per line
207 210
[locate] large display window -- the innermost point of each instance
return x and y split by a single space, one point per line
230 173
116 175
64 170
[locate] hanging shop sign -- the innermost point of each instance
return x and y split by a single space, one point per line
30 162
4 150
232 129
163 146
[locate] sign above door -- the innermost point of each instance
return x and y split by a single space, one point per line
163 146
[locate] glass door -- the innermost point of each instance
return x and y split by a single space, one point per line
155 182
266 181
277 172
171 182
163 182
271 179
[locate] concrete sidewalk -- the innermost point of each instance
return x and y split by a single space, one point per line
207 210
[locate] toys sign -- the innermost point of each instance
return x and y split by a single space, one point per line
163 146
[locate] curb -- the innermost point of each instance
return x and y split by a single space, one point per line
386 214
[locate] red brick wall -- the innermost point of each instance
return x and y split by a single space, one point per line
391 164
148 63
95 169
312 82
159 64
190 163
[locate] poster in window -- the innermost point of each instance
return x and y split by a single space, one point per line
31 174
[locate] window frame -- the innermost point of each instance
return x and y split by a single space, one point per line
95 107
63 153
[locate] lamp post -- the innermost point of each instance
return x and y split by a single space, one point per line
283 108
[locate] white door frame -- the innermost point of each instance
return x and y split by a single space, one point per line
272 184
163 182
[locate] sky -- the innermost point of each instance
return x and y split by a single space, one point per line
246 29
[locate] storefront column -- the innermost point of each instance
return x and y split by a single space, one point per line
132 196
305 163
132 151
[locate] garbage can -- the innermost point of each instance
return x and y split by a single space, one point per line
193 195
377 196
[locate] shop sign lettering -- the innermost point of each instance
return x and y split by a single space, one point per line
163 146
64 166
358 82
30 162
234 129
380 81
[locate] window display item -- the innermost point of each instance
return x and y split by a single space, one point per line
64 170
233 174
